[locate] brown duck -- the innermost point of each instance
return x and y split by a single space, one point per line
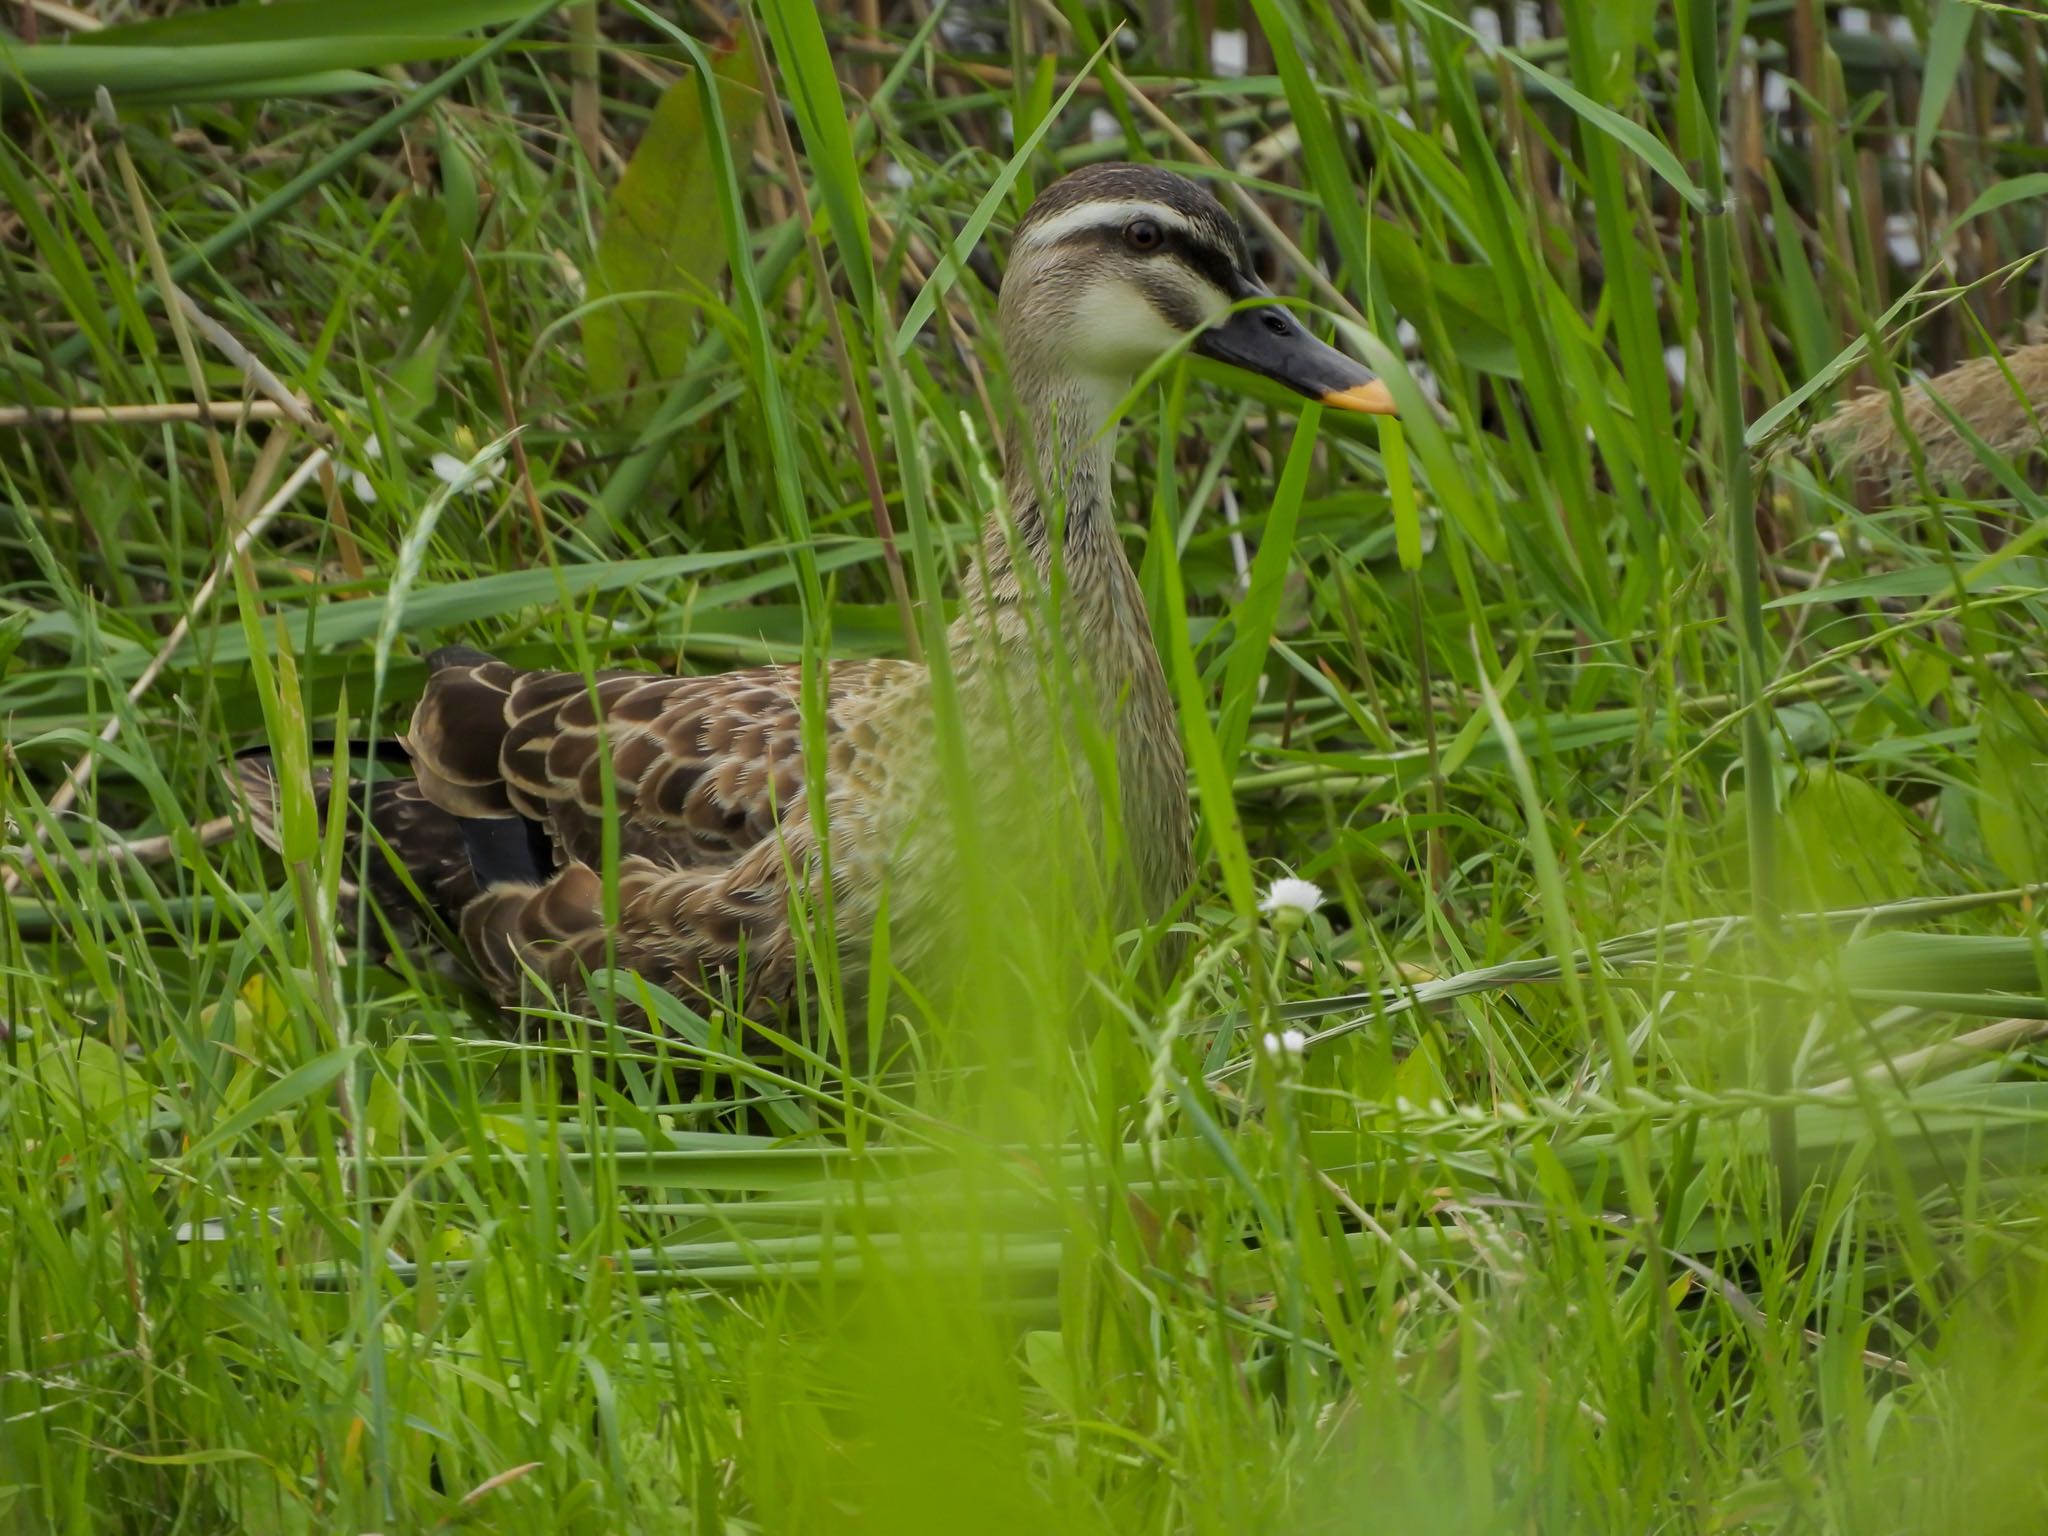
502 829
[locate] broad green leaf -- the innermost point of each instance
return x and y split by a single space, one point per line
1045 1357
493 596
2012 783
458 184
660 249
1943 962
1841 842
1419 1080
1946 38
298 20
88 1079
416 382
1915 683
296 1086
1466 294
2014 189
1844 842
68 76
12 628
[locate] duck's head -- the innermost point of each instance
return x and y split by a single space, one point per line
1115 265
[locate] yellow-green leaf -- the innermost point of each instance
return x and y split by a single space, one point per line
2012 783
1842 842
88 1079
662 251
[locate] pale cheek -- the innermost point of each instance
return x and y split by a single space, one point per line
1117 330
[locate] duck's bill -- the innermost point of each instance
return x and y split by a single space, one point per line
1272 343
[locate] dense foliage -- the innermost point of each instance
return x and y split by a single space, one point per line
1607 1184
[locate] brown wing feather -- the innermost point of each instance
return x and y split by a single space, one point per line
701 768
687 930
704 771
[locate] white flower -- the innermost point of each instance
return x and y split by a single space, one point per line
1287 1045
1292 897
450 470
359 482
1830 543
1228 53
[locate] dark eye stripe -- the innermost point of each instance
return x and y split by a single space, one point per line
1169 300
1215 265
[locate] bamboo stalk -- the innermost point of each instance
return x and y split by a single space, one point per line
63 15
140 415
1986 1041
586 102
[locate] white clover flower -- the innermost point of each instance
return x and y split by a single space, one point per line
1289 897
1228 53
450 470
359 482
1286 1045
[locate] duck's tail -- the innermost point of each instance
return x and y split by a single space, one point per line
416 866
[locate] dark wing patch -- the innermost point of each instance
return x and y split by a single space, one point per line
421 837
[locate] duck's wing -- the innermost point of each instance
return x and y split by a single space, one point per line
501 832
703 778
695 771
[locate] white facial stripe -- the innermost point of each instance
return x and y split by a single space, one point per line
1103 215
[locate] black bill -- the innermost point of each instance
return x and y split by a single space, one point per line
1271 342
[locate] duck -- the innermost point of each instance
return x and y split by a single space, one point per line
695 790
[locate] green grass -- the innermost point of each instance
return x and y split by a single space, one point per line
1616 1191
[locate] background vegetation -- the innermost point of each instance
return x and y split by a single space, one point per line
1615 1189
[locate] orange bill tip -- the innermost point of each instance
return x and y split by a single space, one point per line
1369 399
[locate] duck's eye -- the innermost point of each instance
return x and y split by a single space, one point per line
1144 235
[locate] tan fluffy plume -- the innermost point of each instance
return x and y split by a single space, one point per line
2003 399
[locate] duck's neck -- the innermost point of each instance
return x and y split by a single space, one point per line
1054 551
1056 492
